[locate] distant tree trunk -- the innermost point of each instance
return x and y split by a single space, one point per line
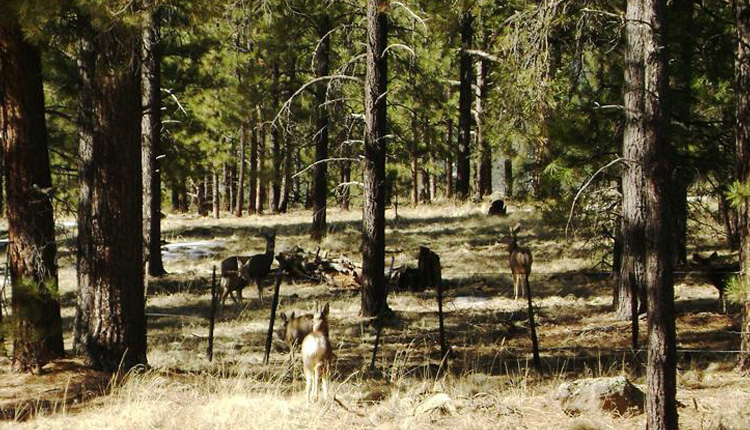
215 195
278 166
151 142
414 161
633 204
175 198
288 147
508 177
485 165
374 299
253 192
661 368
111 293
682 16
320 171
184 201
345 176
464 119
201 197
742 92
262 172
426 196
241 178
37 326
449 160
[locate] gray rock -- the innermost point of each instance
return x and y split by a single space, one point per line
609 394
439 402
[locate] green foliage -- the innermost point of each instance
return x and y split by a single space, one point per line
738 289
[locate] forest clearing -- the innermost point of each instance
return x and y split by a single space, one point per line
489 378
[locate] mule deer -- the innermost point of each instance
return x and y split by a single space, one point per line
717 273
520 263
317 354
238 271
294 329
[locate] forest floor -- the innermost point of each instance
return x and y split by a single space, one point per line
489 378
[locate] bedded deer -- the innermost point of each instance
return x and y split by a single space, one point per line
238 271
317 355
520 263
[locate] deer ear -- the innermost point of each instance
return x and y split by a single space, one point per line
326 309
714 255
283 316
291 317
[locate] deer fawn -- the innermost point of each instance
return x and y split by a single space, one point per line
238 271
520 263
317 355
717 273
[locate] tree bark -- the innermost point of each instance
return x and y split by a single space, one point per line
633 204
253 192
449 160
241 177
215 195
151 143
682 16
374 299
112 320
485 162
508 178
262 172
37 326
742 95
320 171
288 183
661 368
276 156
464 100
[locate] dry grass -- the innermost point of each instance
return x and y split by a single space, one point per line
488 379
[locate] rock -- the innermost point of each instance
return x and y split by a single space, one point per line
610 394
439 402
497 207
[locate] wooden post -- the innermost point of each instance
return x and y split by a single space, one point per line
212 317
274 305
441 327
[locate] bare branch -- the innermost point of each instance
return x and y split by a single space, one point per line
325 160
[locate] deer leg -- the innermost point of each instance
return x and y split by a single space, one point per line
515 287
308 385
316 378
325 384
260 290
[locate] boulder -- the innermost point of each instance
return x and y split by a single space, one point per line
497 207
609 394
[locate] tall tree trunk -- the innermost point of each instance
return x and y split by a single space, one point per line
288 183
278 166
262 172
508 178
449 160
464 105
37 326
151 143
175 198
215 195
320 171
661 368
682 16
742 94
84 240
485 163
632 278
241 178
374 298
201 193
111 290
184 201
253 192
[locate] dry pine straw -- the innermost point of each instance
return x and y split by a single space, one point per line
490 385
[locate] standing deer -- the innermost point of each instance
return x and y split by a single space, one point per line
520 266
317 355
717 273
294 329
520 263
238 271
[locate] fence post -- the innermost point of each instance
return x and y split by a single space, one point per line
274 304
212 317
